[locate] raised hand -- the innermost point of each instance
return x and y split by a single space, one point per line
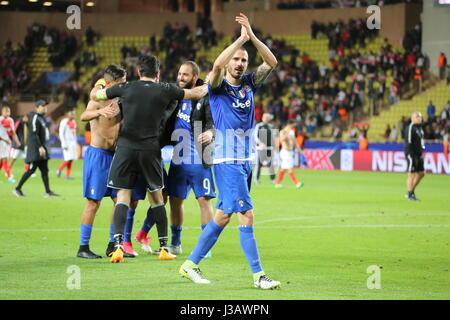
244 34
243 21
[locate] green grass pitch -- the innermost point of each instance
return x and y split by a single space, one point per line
318 241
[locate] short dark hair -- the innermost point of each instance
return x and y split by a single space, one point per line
40 103
114 72
194 66
291 121
243 49
148 66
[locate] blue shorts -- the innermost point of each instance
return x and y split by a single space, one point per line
95 173
182 178
233 182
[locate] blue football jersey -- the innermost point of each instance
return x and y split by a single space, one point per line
233 111
184 151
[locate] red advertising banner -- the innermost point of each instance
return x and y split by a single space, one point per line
320 159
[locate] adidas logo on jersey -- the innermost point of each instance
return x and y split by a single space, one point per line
242 105
183 116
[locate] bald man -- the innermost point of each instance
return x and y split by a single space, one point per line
414 147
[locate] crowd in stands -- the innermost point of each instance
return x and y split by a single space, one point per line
436 125
178 43
319 94
60 44
13 71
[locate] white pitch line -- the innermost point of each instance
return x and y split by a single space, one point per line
353 216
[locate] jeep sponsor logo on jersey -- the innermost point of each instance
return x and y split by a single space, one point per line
183 116
242 105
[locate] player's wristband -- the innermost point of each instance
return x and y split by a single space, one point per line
101 82
100 95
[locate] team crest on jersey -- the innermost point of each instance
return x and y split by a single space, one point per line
241 94
247 88
184 106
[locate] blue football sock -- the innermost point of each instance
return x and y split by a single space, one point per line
85 234
203 226
111 232
176 235
148 222
248 244
207 239
128 226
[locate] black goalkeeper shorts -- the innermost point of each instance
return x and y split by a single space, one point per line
128 164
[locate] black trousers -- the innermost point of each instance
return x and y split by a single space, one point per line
43 167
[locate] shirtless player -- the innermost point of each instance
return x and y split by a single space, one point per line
102 116
288 143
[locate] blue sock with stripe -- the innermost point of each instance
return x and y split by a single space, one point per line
85 234
176 235
111 232
248 244
207 239
128 225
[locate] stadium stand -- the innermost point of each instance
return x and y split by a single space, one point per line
338 74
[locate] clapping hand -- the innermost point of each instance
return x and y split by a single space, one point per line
243 21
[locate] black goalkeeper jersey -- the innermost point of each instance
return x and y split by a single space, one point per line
143 106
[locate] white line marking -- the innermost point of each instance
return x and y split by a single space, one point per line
354 216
